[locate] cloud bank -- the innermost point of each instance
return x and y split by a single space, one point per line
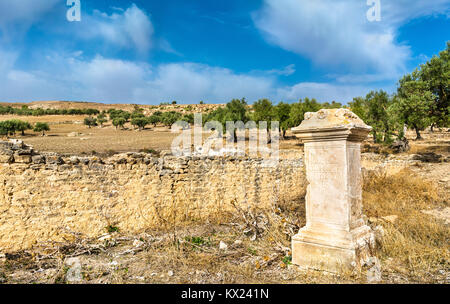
130 28
336 34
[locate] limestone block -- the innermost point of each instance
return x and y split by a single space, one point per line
335 235
5 158
38 159
22 159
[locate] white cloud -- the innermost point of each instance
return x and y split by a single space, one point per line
119 81
336 34
17 15
286 71
191 82
323 92
131 28
399 11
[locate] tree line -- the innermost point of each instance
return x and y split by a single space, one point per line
137 118
10 127
421 100
26 111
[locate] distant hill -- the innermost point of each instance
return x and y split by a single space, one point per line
148 109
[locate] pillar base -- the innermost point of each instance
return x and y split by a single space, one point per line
334 250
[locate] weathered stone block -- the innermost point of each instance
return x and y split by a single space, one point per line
38 159
6 159
22 159
54 159
335 235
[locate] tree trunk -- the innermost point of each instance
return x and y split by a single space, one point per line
432 128
419 137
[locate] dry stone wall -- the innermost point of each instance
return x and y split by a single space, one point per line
47 198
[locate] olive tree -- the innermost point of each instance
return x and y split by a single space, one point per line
41 127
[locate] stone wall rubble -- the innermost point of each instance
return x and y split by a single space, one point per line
46 197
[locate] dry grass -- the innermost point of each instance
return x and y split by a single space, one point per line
185 250
416 244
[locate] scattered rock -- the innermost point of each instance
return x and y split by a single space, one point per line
238 243
400 146
378 233
54 159
38 159
445 180
73 274
104 237
74 134
374 273
428 157
390 218
170 273
113 264
138 243
74 160
223 246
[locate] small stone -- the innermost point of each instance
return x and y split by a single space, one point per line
74 160
170 273
390 218
138 243
105 237
238 242
223 246
374 273
379 233
73 274
114 264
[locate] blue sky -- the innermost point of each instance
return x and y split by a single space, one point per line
213 50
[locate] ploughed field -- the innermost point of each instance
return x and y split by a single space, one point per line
68 135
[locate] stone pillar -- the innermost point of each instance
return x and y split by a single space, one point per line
335 236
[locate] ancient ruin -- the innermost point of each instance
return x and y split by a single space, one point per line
335 236
44 197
